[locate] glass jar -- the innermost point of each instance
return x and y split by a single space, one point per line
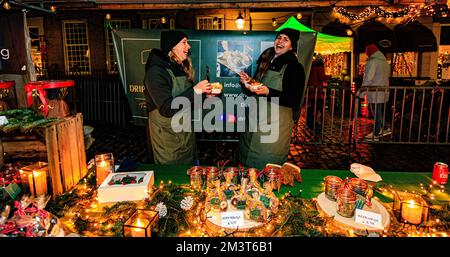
212 175
332 184
359 186
234 172
274 180
7 96
196 178
345 202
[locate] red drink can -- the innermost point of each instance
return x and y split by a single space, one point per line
440 173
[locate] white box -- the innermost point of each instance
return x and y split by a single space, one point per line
129 192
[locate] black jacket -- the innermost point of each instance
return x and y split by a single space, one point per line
158 83
293 81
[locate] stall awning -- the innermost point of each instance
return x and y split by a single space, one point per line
414 37
377 33
335 28
326 44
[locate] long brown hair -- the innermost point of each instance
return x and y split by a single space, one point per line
264 62
187 66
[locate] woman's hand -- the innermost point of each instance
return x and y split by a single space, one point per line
202 87
261 90
244 77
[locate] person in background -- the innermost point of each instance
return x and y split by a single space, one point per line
317 79
376 75
169 73
282 76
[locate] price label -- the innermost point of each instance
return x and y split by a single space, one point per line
368 218
232 219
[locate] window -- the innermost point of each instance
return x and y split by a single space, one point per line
405 64
37 49
444 53
210 22
111 62
76 47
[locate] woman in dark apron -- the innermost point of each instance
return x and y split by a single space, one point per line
169 74
283 77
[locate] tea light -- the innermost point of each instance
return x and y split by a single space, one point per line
104 164
40 182
139 226
412 213
35 178
410 207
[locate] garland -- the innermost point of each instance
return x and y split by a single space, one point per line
24 119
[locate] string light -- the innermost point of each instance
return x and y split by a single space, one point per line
274 22
379 12
6 5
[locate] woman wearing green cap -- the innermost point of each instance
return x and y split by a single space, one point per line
283 77
169 74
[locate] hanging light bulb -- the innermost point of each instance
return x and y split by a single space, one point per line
299 16
108 16
163 20
53 8
240 21
349 32
274 22
6 5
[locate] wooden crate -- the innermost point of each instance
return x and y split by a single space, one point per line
61 144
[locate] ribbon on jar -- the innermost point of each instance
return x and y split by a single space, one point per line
33 87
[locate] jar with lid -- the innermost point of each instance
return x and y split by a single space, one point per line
332 184
345 202
212 175
359 186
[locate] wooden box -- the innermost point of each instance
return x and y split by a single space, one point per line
60 144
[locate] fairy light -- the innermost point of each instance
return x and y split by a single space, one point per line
379 12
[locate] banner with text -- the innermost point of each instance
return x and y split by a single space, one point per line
220 54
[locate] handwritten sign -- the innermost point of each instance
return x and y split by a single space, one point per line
232 219
368 218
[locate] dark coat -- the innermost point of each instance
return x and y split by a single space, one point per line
158 83
293 81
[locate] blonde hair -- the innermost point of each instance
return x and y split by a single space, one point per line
187 66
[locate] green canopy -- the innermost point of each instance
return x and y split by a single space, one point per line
326 44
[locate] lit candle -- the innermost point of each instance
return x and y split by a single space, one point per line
139 228
102 171
412 213
38 185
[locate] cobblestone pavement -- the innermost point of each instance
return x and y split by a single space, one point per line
308 151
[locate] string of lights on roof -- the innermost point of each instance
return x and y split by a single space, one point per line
410 12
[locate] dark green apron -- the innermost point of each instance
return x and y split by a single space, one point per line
252 152
171 147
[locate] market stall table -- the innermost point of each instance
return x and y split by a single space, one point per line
172 192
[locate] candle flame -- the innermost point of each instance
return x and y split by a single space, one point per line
139 223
